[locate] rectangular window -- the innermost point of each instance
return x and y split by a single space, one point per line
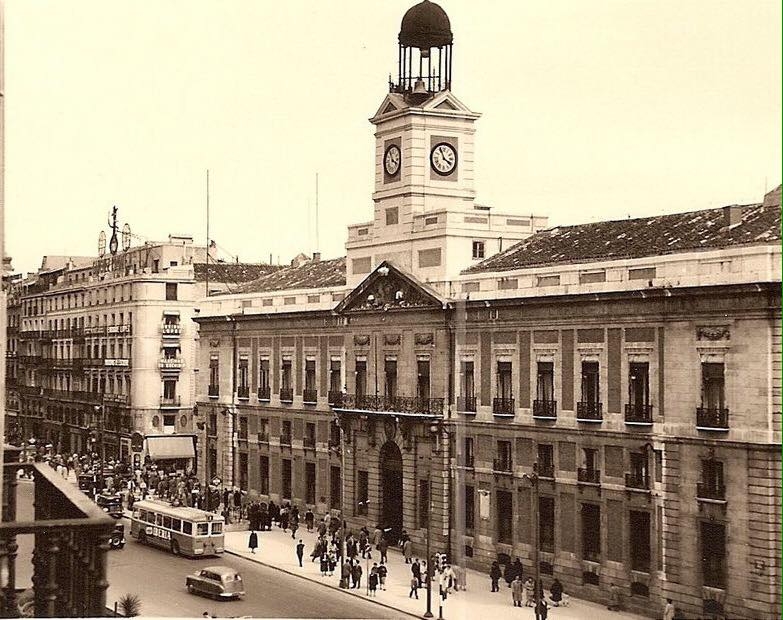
361 378
548 280
285 376
504 379
424 503
263 430
286 481
712 386
335 376
362 492
310 387
243 378
390 378
169 389
213 426
713 554
171 291
468 382
335 487
310 483
639 539
285 433
639 386
591 532
392 216
642 273
591 277
591 384
470 509
423 379
243 427
478 249
505 516
545 381
309 436
469 455
546 460
712 485
546 523
507 284
214 376
503 460
361 265
264 390
263 475
640 473
243 471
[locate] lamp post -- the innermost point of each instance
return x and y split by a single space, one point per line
434 436
343 558
532 478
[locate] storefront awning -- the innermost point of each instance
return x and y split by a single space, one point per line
162 447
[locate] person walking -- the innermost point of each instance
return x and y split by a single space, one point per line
252 542
414 593
383 547
309 519
416 571
495 575
556 591
543 609
383 571
300 552
516 591
407 550
372 579
530 598
294 527
356 574
669 610
324 564
509 572
615 599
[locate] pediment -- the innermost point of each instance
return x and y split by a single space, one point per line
389 288
446 101
393 102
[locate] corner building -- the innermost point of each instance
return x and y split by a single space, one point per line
601 398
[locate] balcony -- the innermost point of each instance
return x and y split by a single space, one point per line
503 407
243 392
213 391
637 481
286 395
285 440
263 437
171 329
392 404
710 492
68 554
310 397
588 476
545 409
547 470
466 404
116 399
308 442
170 402
503 466
590 412
335 397
265 393
171 363
712 419
637 414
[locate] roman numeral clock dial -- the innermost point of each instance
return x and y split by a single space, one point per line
391 160
443 159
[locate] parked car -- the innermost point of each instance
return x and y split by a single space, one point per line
117 540
218 582
111 504
87 483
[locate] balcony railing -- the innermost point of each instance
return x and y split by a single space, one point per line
502 465
639 481
243 392
213 391
263 437
264 393
545 409
392 404
503 406
68 557
171 363
174 401
171 329
286 395
547 470
310 396
335 397
117 399
712 419
308 442
588 476
285 440
466 404
589 411
636 413
711 492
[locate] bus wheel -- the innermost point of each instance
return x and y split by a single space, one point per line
142 537
175 547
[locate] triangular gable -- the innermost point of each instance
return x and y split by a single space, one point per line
445 100
391 103
445 105
390 288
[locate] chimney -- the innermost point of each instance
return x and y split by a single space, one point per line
316 257
733 214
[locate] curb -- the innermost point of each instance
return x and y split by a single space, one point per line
343 590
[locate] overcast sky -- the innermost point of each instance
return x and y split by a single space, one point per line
591 110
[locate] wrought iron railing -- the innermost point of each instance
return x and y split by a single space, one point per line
69 554
392 404
588 476
264 393
213 391
243 392
545 409
310 396
503 406
637 480
286 395
546 470
716 492
636 413
466 404
335 397
502 465
173 401
590 411
709 417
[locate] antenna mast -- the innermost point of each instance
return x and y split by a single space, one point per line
207 232
317 245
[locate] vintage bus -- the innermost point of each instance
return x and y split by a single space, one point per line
181 530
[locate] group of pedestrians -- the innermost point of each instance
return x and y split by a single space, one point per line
523 591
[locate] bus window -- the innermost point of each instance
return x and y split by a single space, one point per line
176 525
217 527
166 521
202 529
187 527
158 519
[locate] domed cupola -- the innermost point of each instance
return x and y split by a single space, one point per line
425 40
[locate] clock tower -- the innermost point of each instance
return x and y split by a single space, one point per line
425 219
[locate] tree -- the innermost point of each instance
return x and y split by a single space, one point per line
130 605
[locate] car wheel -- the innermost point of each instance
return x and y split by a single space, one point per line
175 547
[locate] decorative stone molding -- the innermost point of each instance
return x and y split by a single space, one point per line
392 339
713 332
361 340
424 339
214 342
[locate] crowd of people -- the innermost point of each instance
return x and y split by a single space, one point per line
523 590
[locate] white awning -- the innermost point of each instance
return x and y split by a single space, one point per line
162 447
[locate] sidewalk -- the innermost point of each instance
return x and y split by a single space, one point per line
276 549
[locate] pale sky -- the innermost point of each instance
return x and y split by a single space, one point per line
591 110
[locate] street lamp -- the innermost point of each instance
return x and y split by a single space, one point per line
434 437
532 478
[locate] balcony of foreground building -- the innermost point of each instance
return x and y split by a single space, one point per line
637 481
310 397
638 414
264 393
81 396
53 545
588 476
545 409
170 402
243 392
712 419
286 395
711 493
503 407
466 404
413 405
589 411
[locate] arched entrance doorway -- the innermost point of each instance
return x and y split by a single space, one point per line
391 491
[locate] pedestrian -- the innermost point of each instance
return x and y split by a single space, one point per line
516 591
543 609
252 543
383 547
294 527
518 570
309 519
558 598
300 551
356 574
407 550
324 564
332 562
509 572
376 536
669 610
530 597
414 593
495 575
416 571
373 579
322 528
383 571
615 598
345 574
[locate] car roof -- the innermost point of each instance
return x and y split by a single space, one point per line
221 570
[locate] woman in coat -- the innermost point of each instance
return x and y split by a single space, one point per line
252 543
495 575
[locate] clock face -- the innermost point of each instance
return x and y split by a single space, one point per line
391 160
443 159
